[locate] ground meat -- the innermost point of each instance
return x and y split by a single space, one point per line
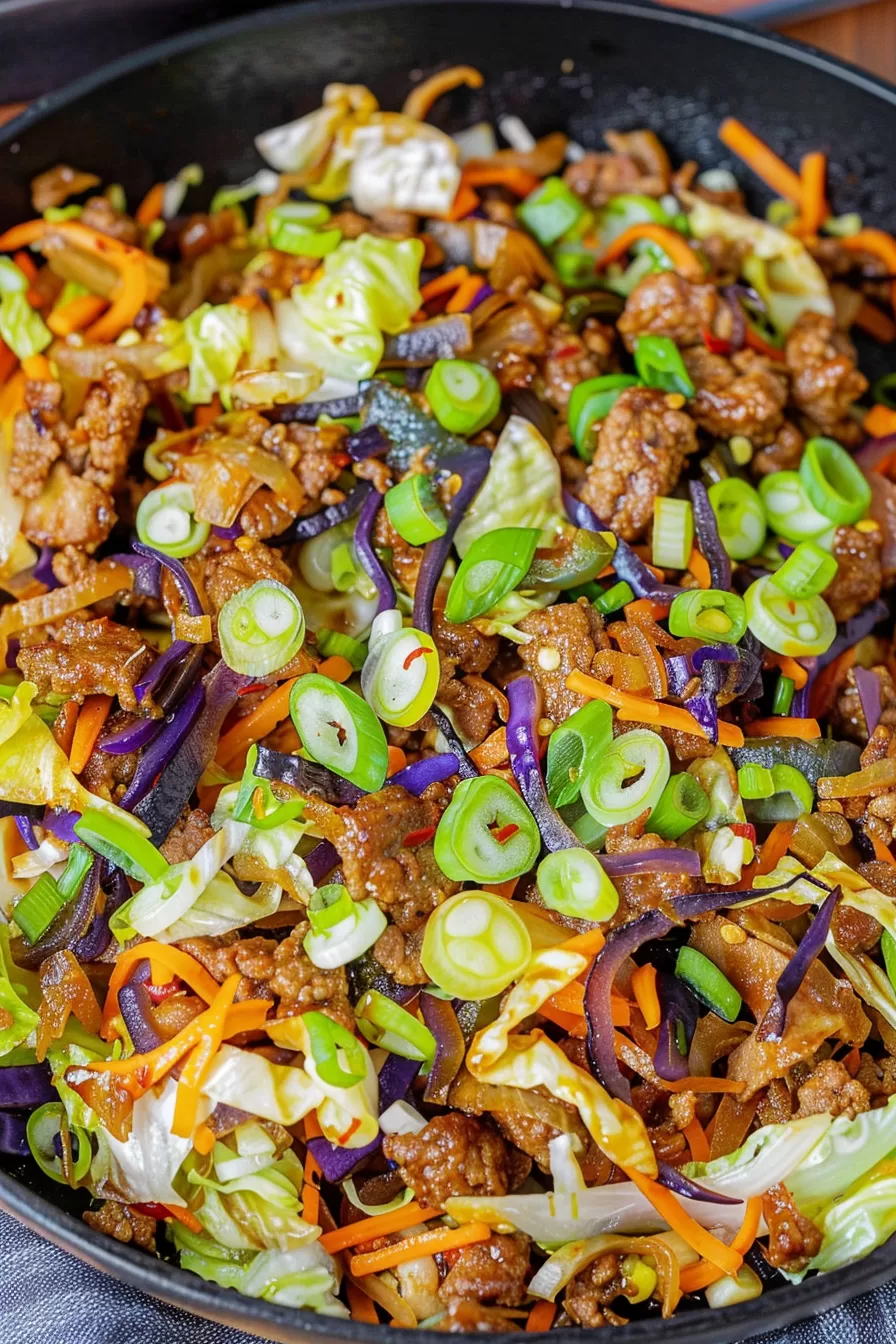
876 814
105 432
188 834
830 1090
564 639
848 716
877 1076
53 187
859 577
490 1271
638 163
404 880
265 515
567 361
222 569
745 394
531 1134
38 438
406 559
826 381
643 891
665 304
853 930
107 773
321 455
399 954
641 449
100 214
592 1290
783 454
472 707
279 970
463 646
455 1155
278 274
124 1223
88 658
793 1239
69 511
725 256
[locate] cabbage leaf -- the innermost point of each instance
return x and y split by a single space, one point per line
522 488
304 1277
16 986
844 1154
341 1111
142 1169
767 1157
217 337
854 1226
246 1079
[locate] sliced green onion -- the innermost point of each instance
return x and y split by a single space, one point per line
740 515
883 390
494 565
833 482
40 905
590 403
627 779
755 781
333 643
486 834
401 675
310 214
414 511
783 695
55 214
121 845
22 327
44 1126
789 625
659 364
572 882
673 532
626 209
328 906
843 226
551 210
585 734
346 940
708 613
254 790
465 397
338 729
326 1038
790 511
683 803
293 238
261 629
344 568
165 520
475 945
574 264
386 1024
806 571
704 979
888 948
13 279
618 596
781 213
789 796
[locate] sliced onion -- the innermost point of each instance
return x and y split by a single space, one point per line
660 860
367 442
24 1086
771 1028
869 694
628 566
309 412
711 547
522 737
135 1005
303 529
440 1017
679 1184
431 770
472 467
370 562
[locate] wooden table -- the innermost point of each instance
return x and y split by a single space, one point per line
865 35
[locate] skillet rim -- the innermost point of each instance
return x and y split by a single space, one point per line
164 1280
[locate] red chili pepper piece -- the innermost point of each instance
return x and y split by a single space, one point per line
745 830
414 838
505 833
151 1210
413 655
159 992
715 344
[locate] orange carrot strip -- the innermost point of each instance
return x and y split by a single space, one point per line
186 1217
673 244
464 203
876 323
419 102
880 244
784 725
25 263
646 996
177 962
94 712
263 719
12 395
23 235
312 1126
204 1140
813 205
790 667
196 1069
493 751
397 761
208 413
541 1317
878 423
311 1190
667 1206
439 1239
852 1061
444 284
76 314
571 1024
657 611
518 180
697 1141
764 162
464 295
360 1305
336 668
882 852
699 568
775 846
135 285
379 1225
588 944
8 362
673 716
64 735
762 347
37 368
150 208
701 1275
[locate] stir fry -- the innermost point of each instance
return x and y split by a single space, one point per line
448 726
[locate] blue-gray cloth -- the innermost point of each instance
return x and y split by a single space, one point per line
49 1297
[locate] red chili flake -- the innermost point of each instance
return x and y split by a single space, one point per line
791 607
344 1138
715 344
506 832
745 830
256 686
415 838
415 654
151 1210
567 352
159 992
340 459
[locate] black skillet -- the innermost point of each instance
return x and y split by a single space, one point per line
583 66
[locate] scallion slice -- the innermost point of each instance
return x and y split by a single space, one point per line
585 735
40 905
682 804
789 625
492 567
487 833
340 730
673 532
414 511
401 675
122 845
349 938
465 397
790 512
475 945
572 882
659 364
386 1024
627 779
708 613
261 629
836 486
327 1039
704 979
165 520
806 571
740 515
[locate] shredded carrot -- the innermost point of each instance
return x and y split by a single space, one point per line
208 414
336 668
464 295
360 1305
571 1001
37 368
76 314
25 263
667 1206
541 1317
646 996
464 203
65 732
444 284
699 568
657 611
882 852
196 1070
673 244
186 1217
877 324
312 1126
774 172
12 395
379 1225
639 709
852 1061
813 205
493 751
204 1140
572 1025
263 719
518 180
94 712
588 944
150 208
177 962
434 1242
784 725
697 1083
790 667
8 362
311 1190
141 277
697 1140
880 244
825 686
701 1275
879 422
23 235
419 102
397 761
